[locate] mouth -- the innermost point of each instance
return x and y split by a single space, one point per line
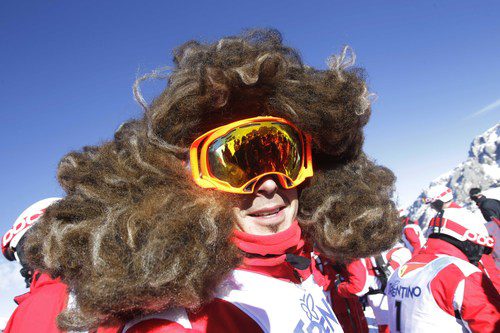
267 212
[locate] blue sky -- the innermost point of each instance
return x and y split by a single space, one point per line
67 68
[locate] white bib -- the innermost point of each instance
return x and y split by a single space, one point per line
276 306
280 306
412 308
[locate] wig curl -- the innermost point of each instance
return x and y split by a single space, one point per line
134 234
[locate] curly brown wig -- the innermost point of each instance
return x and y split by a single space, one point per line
134 234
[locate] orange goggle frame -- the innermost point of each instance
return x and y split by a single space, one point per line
232 158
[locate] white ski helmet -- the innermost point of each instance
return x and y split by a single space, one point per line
23 223
439 192
462 225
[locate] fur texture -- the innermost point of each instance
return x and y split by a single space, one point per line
134 234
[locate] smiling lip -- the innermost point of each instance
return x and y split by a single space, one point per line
267 211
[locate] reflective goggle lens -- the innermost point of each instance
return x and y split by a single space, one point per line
249 151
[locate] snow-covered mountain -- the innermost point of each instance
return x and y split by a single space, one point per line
480 169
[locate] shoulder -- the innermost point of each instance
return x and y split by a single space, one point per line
455 270
217 316
444 285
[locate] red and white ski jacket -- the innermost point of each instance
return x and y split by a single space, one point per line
439 290
266 294
37 309
360 274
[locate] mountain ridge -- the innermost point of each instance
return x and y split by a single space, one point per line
480 169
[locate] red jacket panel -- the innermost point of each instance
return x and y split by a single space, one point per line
356 280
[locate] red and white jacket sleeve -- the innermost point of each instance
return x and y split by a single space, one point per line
411 238
472 297
356 280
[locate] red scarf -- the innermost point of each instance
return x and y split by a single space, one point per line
266 254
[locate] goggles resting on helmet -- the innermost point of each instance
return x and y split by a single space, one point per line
232 158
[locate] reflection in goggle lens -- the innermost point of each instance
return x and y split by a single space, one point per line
250 151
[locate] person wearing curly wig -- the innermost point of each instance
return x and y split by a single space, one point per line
220 209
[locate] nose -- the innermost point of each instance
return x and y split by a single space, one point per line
266 186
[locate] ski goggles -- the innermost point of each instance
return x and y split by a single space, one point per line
232 158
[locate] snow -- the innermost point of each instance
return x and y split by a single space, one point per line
480 169
493 193
492 171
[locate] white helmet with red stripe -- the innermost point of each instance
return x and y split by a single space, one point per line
439 192
462 225
23 223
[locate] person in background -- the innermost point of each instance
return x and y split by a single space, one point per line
441 197
490 208
37 309
368 277
441 289
412 235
